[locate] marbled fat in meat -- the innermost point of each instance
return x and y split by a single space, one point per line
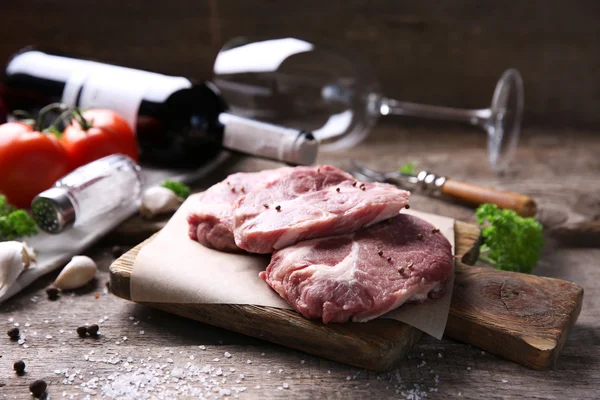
362 275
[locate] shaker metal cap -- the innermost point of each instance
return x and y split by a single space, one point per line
53 210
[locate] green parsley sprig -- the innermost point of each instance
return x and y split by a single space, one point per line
180 189
14 223
510 242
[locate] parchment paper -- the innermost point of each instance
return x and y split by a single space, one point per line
174 269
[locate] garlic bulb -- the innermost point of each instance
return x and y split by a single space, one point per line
15 257
79 271
158 200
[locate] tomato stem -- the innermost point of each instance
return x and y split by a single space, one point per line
45 110
85 124
24 117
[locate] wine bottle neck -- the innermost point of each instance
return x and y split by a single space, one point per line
269 141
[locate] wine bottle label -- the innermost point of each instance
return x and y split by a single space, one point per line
269 141
119 89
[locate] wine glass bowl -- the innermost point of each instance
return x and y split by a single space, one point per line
294 82
504 123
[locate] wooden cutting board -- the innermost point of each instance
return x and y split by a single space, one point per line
521 317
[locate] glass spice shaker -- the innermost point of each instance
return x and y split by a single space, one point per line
88 192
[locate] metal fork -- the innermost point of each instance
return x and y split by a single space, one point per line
431 184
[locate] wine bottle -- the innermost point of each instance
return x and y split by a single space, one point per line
178 122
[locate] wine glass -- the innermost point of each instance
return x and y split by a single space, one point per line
293 81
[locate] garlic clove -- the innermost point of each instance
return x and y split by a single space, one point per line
158 200
79 271
15 257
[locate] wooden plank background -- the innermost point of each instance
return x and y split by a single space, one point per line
448 52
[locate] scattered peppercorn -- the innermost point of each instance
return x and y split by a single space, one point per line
389 259
243 190
265 205
362 187
52 293
14 333
278 208
407 206
116 251
401 270
232 190
82 331
337 190
38 388
419 236
436 230
227 182
410 265
354 184
19 367
380 253
93 329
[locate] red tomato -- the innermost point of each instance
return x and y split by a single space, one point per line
108 134
30 162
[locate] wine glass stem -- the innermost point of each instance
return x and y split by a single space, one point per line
473 117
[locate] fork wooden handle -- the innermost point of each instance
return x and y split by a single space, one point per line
476 195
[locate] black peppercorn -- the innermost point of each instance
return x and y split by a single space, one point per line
278 208
337 190
38 388
401 270
117 251
436 230
354 184
93 329
265 205
380 253
389 259
14 333
407 206
420 236
19 367
52 292
81 331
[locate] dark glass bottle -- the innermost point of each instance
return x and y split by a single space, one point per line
178 122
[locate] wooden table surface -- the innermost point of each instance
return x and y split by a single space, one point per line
145 353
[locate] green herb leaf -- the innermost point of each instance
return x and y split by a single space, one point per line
408 168
180 189
14 223
511 242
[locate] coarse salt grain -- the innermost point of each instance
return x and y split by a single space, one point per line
285 385
249 362
141 332
504 381
202 347
227 354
